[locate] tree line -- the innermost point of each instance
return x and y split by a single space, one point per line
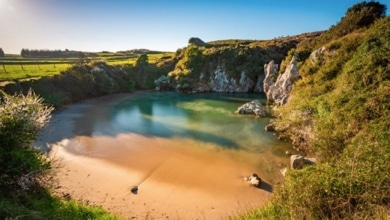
27 53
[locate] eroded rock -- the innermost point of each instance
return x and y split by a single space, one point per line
253 107
279 90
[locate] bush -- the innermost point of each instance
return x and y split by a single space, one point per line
21 117
23 167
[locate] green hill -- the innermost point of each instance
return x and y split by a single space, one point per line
340 112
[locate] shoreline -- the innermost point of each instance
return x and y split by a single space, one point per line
174 181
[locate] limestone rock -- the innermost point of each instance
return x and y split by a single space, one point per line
253 107
162 83
222 82
279 90
270 72
314 56
259 83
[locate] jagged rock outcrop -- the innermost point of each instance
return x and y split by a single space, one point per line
279 91
259 83
253 107
162 83
220 82
270 72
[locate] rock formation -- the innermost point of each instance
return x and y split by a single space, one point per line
270 72
298 161
221 82
253 107
254 179
314 56
279 90
162 83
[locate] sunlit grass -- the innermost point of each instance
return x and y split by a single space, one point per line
17 67
24 71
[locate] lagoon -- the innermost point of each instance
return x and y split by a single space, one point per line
186 152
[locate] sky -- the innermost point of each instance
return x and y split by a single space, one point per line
164 25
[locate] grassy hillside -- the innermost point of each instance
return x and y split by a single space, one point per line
16 67
80 79
340 112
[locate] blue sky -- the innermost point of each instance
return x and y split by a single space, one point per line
166 25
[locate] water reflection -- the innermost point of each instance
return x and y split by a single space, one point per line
206 118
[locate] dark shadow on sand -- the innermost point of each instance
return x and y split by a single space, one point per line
266 186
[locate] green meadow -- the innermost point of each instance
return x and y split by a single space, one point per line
16 67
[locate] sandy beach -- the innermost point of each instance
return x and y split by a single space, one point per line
174 181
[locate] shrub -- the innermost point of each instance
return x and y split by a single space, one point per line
21 117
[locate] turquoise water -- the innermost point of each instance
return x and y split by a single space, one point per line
206 118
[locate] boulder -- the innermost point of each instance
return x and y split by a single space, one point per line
297 161
270 127
254 179
253 107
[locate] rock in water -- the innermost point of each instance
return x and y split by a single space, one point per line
253 107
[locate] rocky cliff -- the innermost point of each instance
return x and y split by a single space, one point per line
278 88
230 66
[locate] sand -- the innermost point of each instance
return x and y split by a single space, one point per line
174 181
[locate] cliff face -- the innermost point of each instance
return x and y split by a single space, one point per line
227 66
279 90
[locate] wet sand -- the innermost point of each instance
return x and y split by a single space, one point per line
175 181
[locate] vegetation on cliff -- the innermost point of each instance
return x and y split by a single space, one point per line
198 62
83 81
340 112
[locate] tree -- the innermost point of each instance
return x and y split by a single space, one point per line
142 61
1 53
196 41
360 15
21 118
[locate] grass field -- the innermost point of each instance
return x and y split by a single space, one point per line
24 71
15 67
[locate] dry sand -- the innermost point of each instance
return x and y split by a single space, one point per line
175 181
